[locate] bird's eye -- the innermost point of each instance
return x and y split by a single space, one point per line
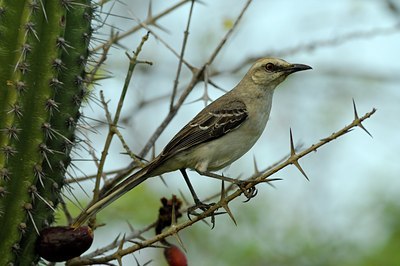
269 67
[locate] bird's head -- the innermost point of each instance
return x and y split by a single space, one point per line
272 71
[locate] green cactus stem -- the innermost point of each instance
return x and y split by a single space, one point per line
43 54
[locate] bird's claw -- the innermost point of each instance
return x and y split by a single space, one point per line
250 192
204 207
199 205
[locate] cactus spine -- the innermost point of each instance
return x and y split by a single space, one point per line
43 54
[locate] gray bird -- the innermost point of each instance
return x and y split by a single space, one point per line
218 135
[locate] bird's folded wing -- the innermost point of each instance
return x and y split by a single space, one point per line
213 122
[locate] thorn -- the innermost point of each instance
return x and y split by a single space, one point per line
49 204
173 214
200 2
150 10
224 203
173 224
44 10
116 239
121 247
356 118
30 29
16 109
270 180
292 150
296 163
256 171
179 240
205 98
212 83
31 218
349 130
51 106
130 226
163 180
293 154
121 244
153 21
44 150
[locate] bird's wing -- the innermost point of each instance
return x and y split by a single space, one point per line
211 123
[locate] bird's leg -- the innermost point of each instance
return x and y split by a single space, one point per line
220 177
242 184
198 204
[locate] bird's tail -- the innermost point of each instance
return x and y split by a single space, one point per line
112 195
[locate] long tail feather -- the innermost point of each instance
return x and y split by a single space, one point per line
112 195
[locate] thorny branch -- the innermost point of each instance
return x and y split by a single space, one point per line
261 177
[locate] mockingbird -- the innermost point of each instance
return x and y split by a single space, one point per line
218 135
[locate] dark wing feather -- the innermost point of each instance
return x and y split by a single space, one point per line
204 128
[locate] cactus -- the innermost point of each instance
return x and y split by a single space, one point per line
43 55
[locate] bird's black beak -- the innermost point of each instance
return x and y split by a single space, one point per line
297 67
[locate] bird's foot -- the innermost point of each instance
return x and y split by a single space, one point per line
204 207
199 205
248 192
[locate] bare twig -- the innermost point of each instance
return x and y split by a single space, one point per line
149 21
91 76
178 71
157 37
133 61
316 44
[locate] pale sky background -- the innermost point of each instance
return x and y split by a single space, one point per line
348 178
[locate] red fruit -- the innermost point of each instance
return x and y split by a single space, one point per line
174 256
61 243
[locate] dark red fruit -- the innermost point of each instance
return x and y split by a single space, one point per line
174 256
61 243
